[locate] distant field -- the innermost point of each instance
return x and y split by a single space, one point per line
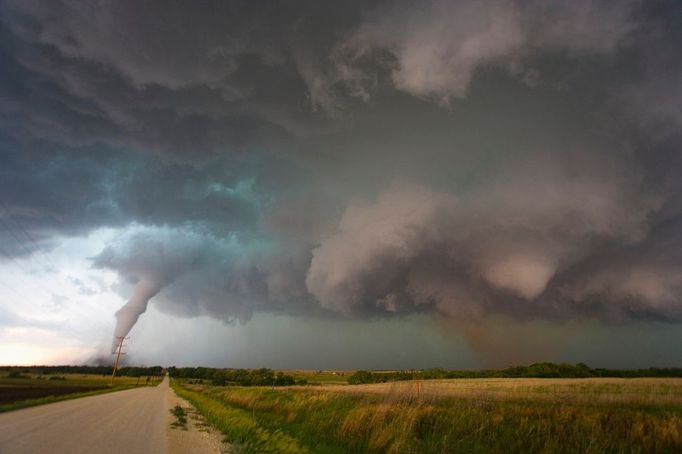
29 389
324 376
586 391
462 415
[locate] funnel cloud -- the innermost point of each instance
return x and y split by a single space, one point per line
127 316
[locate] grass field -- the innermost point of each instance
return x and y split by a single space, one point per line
320 376
478 415
27 390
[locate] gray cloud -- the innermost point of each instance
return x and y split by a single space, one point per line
191 274
468 159
117 35
82 287
435 48
493 249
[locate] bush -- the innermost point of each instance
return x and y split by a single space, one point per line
17 374
362 377
254 377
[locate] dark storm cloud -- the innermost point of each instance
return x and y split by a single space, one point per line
465 158
169 78
434 49
494 248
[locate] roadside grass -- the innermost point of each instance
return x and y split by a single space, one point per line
400 420
240 427
180 417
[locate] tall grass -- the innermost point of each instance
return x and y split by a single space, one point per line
240 426
652 392
316 420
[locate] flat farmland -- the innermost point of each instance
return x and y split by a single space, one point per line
657 392
24 390
456 415
321 376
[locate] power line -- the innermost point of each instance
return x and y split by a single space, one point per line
21 228
11 258
31 255
7 227
12 289
74 308
39 284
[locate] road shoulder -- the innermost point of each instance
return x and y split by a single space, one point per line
197 436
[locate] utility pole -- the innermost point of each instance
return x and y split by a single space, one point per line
119 340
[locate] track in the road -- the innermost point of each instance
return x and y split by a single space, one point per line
130 422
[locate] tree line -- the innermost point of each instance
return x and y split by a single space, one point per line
128 371
240 377
537 370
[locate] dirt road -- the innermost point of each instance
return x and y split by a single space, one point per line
133 421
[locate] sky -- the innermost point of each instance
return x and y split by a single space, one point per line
330 185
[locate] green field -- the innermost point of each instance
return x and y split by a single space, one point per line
27 389
470 415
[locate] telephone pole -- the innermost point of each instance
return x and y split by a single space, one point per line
119 347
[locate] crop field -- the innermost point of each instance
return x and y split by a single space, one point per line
459 415
19 390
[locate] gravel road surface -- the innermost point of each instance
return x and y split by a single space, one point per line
132 421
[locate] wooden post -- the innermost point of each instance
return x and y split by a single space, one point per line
118 356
